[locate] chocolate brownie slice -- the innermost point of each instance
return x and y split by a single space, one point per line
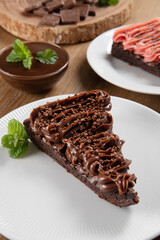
77 133
139 44
133 59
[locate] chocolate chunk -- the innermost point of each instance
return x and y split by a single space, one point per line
79 10
83 10
69 4
40 11
32 5
80 2
56 4
70 16
50 19
89 1
92 11
45 1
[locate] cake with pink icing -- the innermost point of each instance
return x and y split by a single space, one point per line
139 44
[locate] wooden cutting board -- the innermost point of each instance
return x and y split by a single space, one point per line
27 26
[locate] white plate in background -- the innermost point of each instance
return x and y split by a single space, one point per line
116 71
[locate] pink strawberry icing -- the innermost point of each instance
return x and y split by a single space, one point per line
143 39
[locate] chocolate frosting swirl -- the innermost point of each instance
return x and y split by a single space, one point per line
80 127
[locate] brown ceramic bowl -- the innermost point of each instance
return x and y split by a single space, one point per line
41 76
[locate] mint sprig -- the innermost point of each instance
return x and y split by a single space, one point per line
16 140
48 56
20 53
104 3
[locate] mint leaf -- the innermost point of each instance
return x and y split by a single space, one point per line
113 2
27 63
15 127
20 53
12 141
20 48
14 57
16 140
104 3
17 151
48 56
7 141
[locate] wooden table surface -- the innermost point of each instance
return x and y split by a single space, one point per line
79 76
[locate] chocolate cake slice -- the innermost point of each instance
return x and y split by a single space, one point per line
77 133
139 45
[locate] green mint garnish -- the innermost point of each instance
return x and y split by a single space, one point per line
16 140
48 56
104 3
27 63
20 53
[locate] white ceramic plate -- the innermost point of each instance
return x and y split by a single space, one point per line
40 200
119 72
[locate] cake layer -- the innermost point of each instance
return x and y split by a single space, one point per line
136 60
77 133
142 39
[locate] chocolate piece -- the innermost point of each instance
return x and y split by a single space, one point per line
77 133
79 2
70 16
45 1
133 59
55 4
40 11
68 4
34 4
92 11
83 10
89 1
80 9
50 19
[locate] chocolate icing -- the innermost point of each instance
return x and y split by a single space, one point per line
17 69
80 128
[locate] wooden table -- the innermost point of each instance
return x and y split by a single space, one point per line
80 76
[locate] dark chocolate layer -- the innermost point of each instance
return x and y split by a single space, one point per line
136 60
77 133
